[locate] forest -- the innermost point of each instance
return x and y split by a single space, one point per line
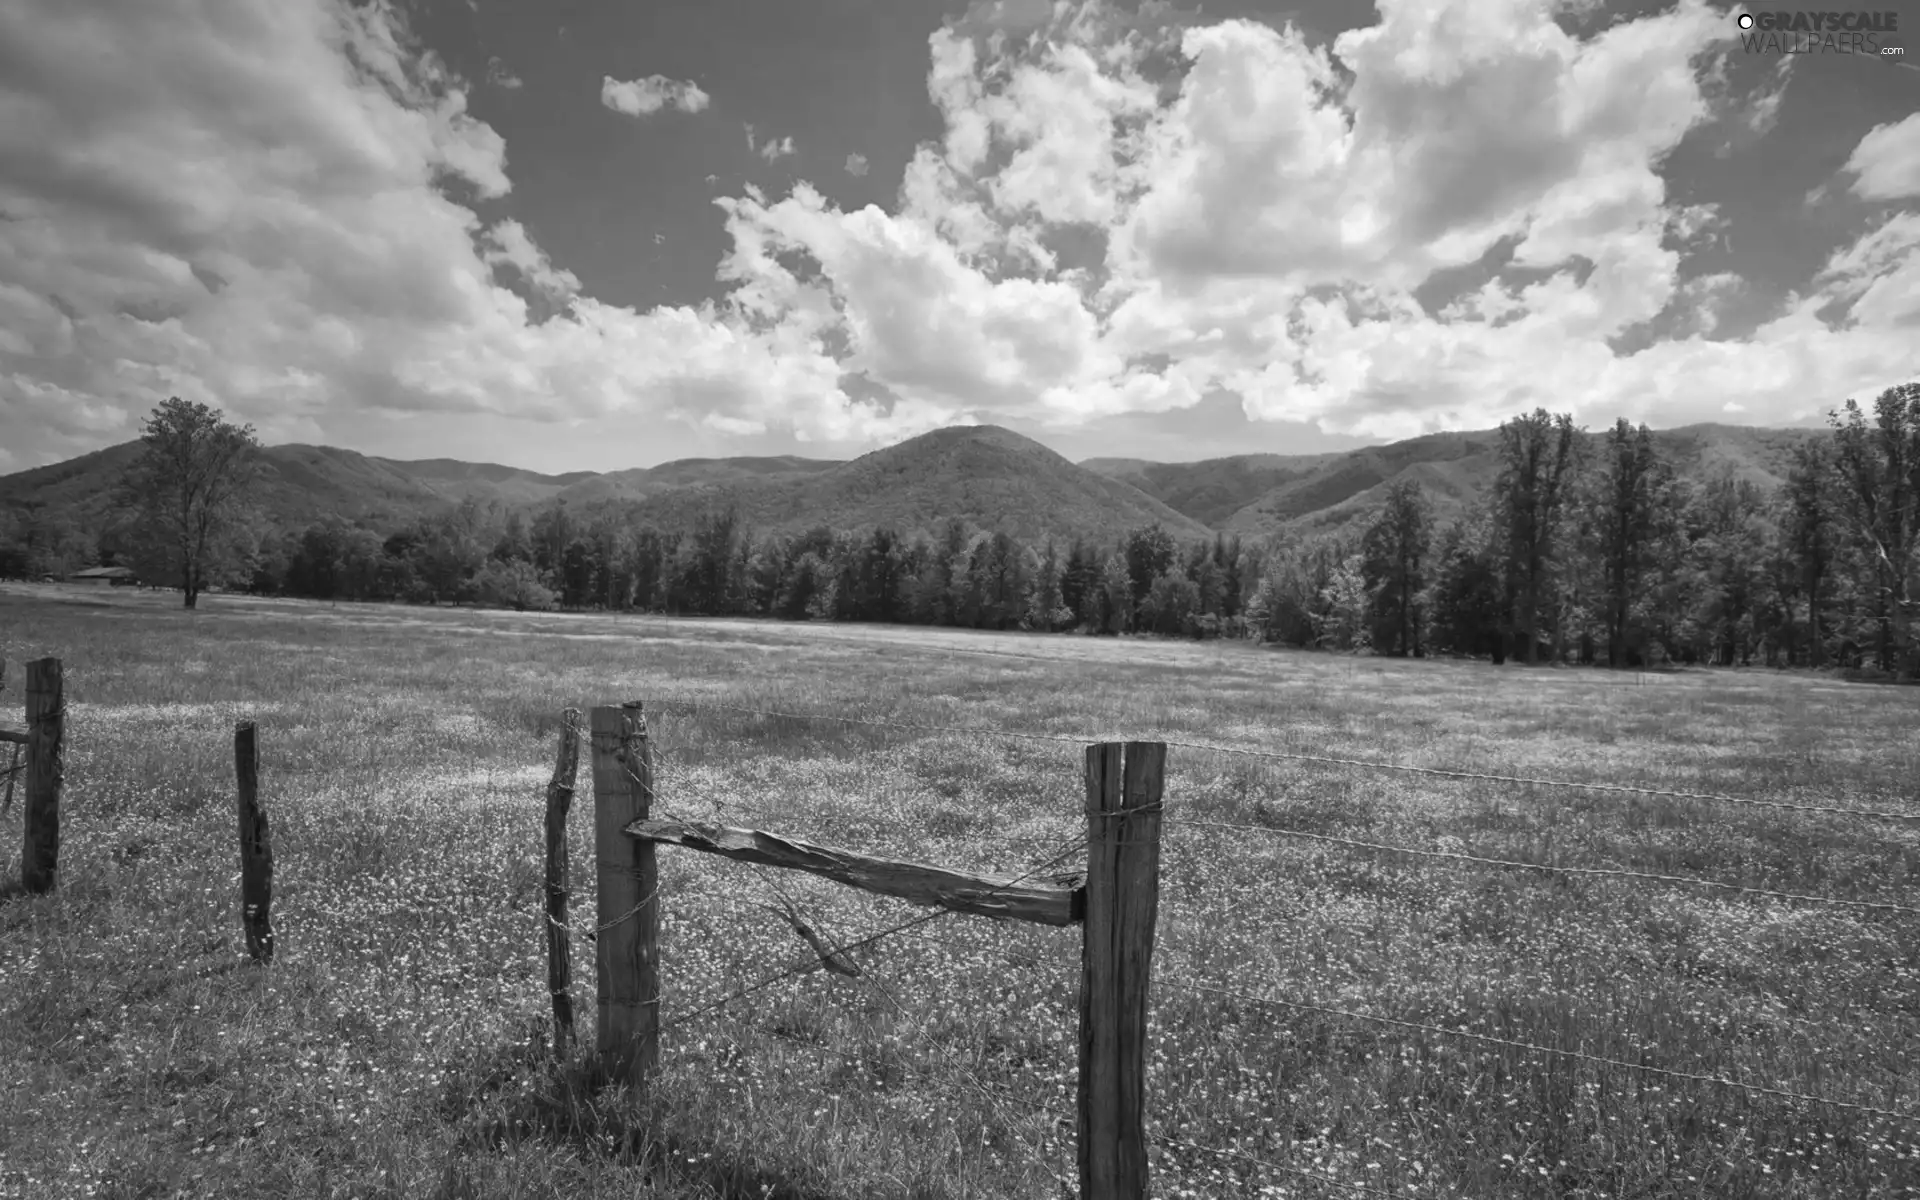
1585 549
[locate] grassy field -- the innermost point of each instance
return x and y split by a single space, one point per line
397 1046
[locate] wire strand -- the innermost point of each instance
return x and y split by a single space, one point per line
871 939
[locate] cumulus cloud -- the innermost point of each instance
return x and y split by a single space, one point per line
644 97
856 164
508 244
1886 163
272 208
1186 207
262 207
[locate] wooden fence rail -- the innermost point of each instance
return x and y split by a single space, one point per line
1116 906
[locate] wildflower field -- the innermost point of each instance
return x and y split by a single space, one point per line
1309 993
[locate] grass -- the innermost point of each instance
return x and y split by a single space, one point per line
397 1047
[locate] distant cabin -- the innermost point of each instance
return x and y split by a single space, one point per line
105 577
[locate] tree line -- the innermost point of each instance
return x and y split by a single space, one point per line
1588 550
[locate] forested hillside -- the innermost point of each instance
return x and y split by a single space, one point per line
1534 541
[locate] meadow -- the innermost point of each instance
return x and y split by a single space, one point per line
397 1047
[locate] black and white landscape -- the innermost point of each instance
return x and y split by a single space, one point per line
720 599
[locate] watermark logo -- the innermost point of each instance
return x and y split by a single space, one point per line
1870 34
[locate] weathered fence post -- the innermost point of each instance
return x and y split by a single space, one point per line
256 848
13 750
559 941
1123 897
627 959
46 768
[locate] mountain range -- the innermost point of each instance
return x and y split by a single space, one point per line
989 476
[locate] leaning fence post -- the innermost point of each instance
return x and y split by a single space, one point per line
559 941
46 767
256 848
1123 896
628 927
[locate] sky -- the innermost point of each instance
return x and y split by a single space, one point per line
600 234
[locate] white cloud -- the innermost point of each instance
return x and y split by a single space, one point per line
1702 297
1886 163
773 149
255 207
856 164
1763 112
1267 211
644 97
270 208
508 243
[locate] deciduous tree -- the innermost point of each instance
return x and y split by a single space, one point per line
192 480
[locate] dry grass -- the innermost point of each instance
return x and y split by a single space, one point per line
397 1046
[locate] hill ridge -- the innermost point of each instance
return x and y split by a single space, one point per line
989 475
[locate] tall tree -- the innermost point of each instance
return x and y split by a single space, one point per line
1394 551
1807 529
1113 599
1879 468
1728 559
1627 502
1465 597
192 479
1044 611
1149 551
1538 461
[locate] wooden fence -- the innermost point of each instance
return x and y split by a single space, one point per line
44 744
1115 903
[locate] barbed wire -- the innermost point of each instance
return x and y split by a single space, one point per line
1533 1048
721 810
1517 864
1324 759
592 933
901 927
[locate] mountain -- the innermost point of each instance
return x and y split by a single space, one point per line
300 484
989 476
641 482
79 484
1342 490
1213 490
458 480
1452 467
